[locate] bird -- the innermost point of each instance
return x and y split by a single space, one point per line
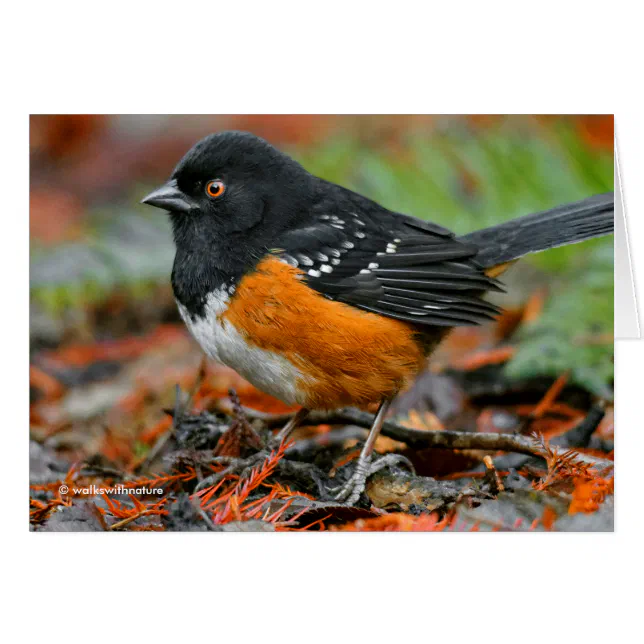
321 297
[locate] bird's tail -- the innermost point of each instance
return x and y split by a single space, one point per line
569 224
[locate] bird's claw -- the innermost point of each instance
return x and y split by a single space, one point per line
350 492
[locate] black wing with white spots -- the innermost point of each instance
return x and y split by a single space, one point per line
391 264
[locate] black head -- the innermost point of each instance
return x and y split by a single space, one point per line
230 186
229 199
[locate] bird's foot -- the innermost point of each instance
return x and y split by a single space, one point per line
350 492
287 430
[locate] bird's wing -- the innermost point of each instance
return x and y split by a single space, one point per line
396 266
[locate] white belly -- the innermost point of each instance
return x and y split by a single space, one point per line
266 370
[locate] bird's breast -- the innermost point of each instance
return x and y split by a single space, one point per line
303 348
224 343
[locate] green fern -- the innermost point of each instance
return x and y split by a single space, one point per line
575 329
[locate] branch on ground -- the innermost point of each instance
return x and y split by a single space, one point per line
417 438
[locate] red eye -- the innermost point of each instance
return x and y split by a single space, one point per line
215 188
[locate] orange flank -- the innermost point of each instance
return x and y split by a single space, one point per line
348 356
499 269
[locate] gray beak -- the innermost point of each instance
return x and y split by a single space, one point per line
169 197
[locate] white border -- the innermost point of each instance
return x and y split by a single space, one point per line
188 58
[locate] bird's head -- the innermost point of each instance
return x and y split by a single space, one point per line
232 185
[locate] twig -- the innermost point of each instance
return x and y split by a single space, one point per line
492 476
178 412
207 520
413 437
579 436
235 464
550 396
155 450
240 434
545 403
124 522
416 438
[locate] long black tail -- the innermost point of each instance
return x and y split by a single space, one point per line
569 224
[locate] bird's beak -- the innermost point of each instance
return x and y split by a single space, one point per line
169 197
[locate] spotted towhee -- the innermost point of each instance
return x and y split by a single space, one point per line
318 295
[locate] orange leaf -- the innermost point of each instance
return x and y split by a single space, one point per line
551 395
483 358
589 495
394 522
549 517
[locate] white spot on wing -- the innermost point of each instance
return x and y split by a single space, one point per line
314 273
325 268
305 261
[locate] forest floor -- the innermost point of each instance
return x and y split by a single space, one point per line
141 434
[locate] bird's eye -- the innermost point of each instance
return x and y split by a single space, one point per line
215 188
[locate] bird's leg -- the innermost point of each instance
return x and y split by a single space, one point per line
354 487
287 430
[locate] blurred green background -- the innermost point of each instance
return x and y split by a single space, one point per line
100 262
